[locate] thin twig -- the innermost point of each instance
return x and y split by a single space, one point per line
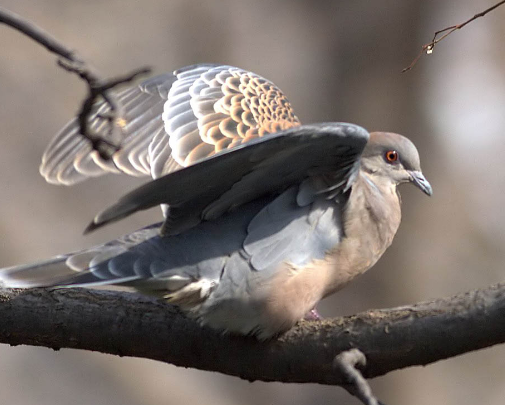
347 364
97 86
37 34
428 48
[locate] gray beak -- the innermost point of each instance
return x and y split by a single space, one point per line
420 181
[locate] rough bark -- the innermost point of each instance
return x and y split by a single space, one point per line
128 324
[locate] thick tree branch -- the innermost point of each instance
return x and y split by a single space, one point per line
131 325
98 87
428 48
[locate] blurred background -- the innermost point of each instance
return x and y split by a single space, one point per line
336 61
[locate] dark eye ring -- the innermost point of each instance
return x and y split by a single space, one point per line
391 156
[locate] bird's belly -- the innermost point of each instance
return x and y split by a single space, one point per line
265 306
280 273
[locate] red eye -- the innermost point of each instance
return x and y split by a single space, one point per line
391 156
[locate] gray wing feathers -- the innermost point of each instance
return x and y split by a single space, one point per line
69 158
161 121
47 273
143 258
286 231
264 165
173 120
191 100
112 262
277 228
259 237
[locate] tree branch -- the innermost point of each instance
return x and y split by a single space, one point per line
128 324
429 47
97 86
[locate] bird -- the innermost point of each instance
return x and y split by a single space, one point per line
263 216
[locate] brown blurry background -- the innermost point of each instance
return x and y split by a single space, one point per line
336 61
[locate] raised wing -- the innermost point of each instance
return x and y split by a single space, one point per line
174 120
208 189
70 159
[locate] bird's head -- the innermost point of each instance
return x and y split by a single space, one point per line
395 157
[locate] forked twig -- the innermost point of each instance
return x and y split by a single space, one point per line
428 48
97 86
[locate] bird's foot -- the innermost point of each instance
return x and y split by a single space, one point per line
313 315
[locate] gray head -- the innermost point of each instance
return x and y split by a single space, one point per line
395 157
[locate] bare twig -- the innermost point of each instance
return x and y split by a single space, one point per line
347 364
97 87
428 48
37 34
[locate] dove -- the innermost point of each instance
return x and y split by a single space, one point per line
263 216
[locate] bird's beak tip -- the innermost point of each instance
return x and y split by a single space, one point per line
420 181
